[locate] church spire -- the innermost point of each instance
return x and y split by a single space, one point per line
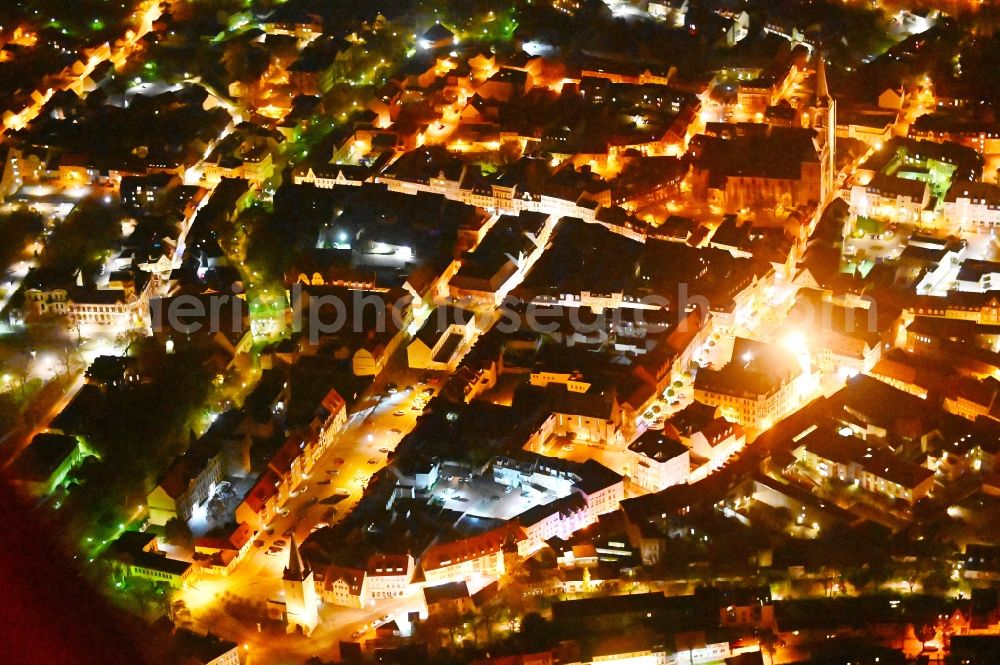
297 569
822 89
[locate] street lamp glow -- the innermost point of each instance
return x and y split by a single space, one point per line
796 342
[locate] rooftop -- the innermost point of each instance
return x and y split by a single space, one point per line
658 447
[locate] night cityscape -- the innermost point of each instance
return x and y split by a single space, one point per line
469 332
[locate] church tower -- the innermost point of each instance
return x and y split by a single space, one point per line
301 604
825 121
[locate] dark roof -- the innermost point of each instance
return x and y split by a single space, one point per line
437 32
449 347
188 466
442 592
776 153
657 446
43 456
890 185
692 418
756 368
827 443
595 477
190 647
440 320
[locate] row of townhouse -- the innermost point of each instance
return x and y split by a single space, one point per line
848 459
382 576
483 557
501 198
292 463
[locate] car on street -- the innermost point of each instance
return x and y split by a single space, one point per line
399 413
258 543
373 461
391 388
384 451
396 430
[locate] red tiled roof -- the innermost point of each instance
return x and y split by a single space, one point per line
387 564
721 429
352 576
281 463
468 549
264 489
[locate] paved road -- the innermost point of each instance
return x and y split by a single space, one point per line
359 452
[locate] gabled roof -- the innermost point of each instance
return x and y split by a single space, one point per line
445 592
469 549
437 32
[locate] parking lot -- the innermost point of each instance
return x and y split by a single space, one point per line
482 496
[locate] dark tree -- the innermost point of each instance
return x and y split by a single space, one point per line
177 533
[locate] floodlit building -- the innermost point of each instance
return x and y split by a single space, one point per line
478 557
972 204
659 461
301 603
760 384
